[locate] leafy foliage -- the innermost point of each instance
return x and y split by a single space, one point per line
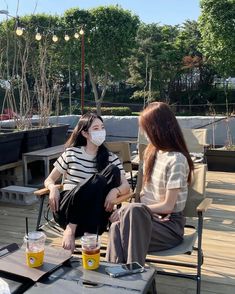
217 28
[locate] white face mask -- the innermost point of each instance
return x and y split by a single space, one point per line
98 137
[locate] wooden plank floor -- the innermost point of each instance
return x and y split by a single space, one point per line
218 271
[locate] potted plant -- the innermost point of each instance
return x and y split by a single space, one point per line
222 158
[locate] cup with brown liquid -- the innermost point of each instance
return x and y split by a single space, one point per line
90 251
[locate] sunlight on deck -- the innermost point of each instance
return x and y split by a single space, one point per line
218 270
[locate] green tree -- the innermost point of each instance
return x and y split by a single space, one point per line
195 76
155 61
217 28
109 37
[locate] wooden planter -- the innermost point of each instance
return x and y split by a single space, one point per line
10 146
220 160
35 139
57 135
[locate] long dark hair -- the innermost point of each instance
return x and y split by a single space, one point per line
163 130
77 139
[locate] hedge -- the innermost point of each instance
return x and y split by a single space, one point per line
119 111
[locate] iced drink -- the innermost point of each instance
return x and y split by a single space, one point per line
35 244
90 252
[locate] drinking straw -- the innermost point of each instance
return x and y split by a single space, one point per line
26 227
26 231
97 234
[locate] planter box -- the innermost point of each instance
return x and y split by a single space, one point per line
220 160
57 135
10 146
35 139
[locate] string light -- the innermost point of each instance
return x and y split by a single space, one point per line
54 38
81 31
38 37
19 31
66 37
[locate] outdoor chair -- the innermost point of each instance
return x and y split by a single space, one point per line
122 150
196 206
196 141
141 145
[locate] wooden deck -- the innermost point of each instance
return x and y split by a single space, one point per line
218 271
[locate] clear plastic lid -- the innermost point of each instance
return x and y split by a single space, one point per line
35 236
90 240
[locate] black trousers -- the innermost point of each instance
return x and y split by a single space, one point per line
84 205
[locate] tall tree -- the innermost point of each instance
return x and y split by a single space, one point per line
195 75
155 61
109 37
217 28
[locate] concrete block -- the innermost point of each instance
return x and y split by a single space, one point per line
14 171
10 182
18 195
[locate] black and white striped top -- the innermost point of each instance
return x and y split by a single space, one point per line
76 165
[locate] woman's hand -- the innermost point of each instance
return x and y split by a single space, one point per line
54 199
113 194
68 241
54 192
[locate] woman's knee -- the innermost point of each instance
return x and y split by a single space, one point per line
136 209
114 229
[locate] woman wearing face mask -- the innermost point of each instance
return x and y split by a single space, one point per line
93 177
157 223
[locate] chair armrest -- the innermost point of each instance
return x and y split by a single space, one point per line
204 205
45 191
122 198
132 141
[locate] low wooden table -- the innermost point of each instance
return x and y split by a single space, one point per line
43 154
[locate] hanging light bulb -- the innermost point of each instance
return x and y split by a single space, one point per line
19 31
38 36
81 32
76 35
54 38
66 37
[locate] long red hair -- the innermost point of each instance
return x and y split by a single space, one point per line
161 126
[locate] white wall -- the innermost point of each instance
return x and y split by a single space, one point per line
126 127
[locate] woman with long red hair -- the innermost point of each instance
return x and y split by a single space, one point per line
157 222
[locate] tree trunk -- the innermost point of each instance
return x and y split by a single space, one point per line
98 107
93 83
98 100
104 87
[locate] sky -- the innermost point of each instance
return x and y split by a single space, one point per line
169 12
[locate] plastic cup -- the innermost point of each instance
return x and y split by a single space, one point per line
35 246
90 252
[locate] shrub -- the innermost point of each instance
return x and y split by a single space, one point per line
119 111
